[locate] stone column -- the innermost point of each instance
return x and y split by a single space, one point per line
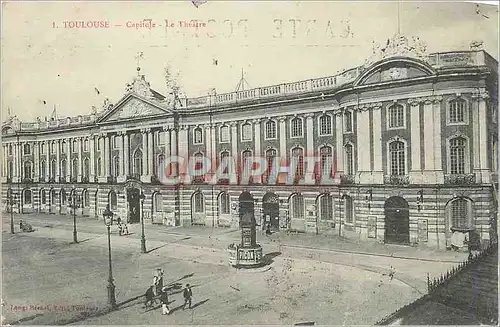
68 160
166 137
36 156
378 170
184 144
282 154
234 143
102 155
258 149
208 148
151 155
92 158
107 165
428 150
415 150
363 145
436 102
79 145
144 155
126 155
58 160
339 142
481 141
121 176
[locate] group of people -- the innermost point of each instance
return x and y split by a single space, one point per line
122 227
157 289
25 227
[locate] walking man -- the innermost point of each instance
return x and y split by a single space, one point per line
188 294
149 297
164 301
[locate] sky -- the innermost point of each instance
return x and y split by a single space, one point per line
47 63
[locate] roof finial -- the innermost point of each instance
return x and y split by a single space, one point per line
140 55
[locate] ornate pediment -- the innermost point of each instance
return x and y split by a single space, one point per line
398 45
133 107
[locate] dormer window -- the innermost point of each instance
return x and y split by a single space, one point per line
198 136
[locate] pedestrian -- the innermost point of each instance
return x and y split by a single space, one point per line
159 283
268 229
188 294
155 285
165 310
149 297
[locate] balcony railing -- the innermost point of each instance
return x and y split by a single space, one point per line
397 179
460 179
347 179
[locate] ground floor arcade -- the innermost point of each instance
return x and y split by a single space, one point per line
402 215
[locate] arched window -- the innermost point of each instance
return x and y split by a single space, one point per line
224 156
326 153
297 127
246 132
53 168
297 206
348 121
224 203
63 146
246 161
460 214
86 168
53 147
63 197
397 157
10 149
113 201
43 169
396 116
63 168
197 173
137 168
28 167
74 168
10 169
349 159
27 148
74 146
160 164
325 207
456 111
43 196
158 202
198 202
270 129
86 145
198 136
457 155
27 197
53 195
99 169
224 134
298 162
116 166
349 210
86 198
325 125
270 158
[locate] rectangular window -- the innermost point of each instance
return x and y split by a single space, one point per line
246 132
348 121
116 142
396 116
198 136
160 138
457 111
224 134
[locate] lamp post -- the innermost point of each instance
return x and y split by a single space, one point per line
11 200
74 204
143 238
108 216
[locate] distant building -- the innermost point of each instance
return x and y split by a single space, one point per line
412 139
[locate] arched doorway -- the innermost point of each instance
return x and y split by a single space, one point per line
246 205
134 204
397 220
271 211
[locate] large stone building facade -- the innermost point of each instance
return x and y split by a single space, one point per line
412 139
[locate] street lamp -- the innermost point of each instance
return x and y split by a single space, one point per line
108 218
11 200
75 202
143 238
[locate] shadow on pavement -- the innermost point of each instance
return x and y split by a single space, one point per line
156 248
199 303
